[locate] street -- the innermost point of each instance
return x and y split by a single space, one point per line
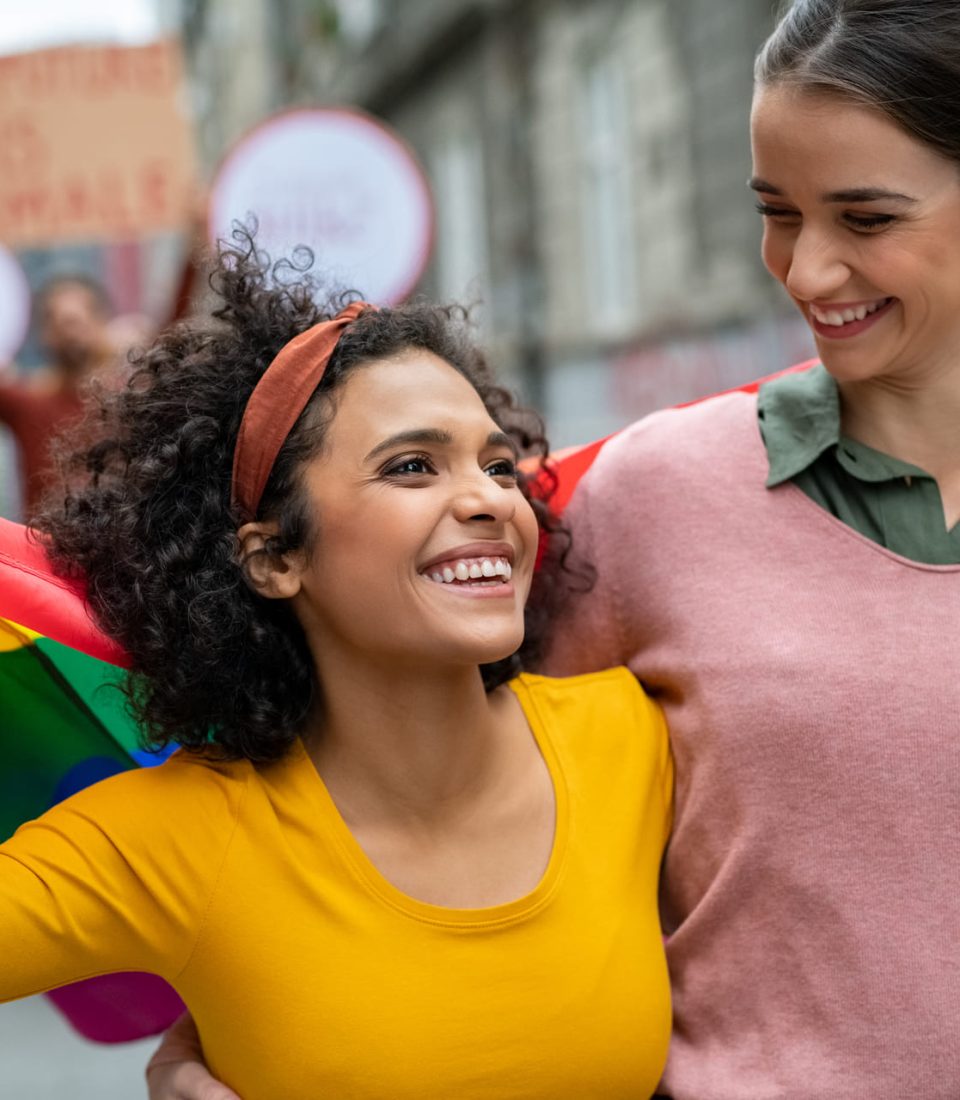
42 1058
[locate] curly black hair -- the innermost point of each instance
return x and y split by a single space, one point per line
145 515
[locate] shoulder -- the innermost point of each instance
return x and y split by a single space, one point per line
602 725
612 697
674 439
660 465
186 793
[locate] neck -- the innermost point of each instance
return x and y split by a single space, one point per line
918 425
407 743
73 371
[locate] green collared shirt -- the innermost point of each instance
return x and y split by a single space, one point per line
891 502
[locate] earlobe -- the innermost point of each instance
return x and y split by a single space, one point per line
272 575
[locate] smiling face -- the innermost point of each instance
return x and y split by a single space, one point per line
426 545
862 227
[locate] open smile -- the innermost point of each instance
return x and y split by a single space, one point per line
475 569
841 320
486 572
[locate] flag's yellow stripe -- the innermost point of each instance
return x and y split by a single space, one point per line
13 636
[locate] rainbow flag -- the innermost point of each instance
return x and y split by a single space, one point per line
63 726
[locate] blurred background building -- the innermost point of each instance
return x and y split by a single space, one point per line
588 164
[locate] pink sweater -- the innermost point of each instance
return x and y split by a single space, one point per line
811 681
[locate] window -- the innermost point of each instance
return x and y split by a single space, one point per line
461 247
607 228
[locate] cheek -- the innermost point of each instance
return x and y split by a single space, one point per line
530 534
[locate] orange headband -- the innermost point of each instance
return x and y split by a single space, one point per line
277 401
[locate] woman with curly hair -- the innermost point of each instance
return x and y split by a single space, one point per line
386 861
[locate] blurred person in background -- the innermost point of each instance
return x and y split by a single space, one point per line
72 315
782 573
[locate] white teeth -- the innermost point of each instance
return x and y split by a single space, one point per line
844 317
476 569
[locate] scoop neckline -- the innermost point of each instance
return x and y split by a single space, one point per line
362 868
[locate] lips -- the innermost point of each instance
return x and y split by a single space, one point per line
467 552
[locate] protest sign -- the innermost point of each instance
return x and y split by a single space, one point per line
340 182
94 144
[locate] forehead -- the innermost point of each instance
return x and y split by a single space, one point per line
835 140
413 389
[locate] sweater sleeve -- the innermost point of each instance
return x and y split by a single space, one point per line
115 878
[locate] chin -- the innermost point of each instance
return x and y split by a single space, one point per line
848 368
489 652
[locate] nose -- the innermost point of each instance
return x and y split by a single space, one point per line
816 268
479 497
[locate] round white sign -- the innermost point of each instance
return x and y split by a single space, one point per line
15 310
340 182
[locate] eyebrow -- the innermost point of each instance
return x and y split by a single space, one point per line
853 194
436 436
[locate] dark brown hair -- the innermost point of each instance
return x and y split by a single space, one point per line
899 56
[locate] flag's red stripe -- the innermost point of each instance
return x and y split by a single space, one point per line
34 596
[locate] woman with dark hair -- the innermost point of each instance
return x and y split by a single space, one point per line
369 868
786 582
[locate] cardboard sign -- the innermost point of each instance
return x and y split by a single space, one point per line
341 183
94 144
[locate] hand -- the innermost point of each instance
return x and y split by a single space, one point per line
177 1070
185 1081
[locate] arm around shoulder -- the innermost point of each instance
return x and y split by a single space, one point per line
177 1070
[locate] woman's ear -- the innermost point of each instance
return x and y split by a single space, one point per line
275 576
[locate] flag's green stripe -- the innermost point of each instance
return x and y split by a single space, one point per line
95 683
45 729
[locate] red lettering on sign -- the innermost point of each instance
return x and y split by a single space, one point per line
77 204
23 152
155 180
21 208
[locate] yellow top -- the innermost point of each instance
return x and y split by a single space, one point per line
310 975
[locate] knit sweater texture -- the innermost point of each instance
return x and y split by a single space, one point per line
811 682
